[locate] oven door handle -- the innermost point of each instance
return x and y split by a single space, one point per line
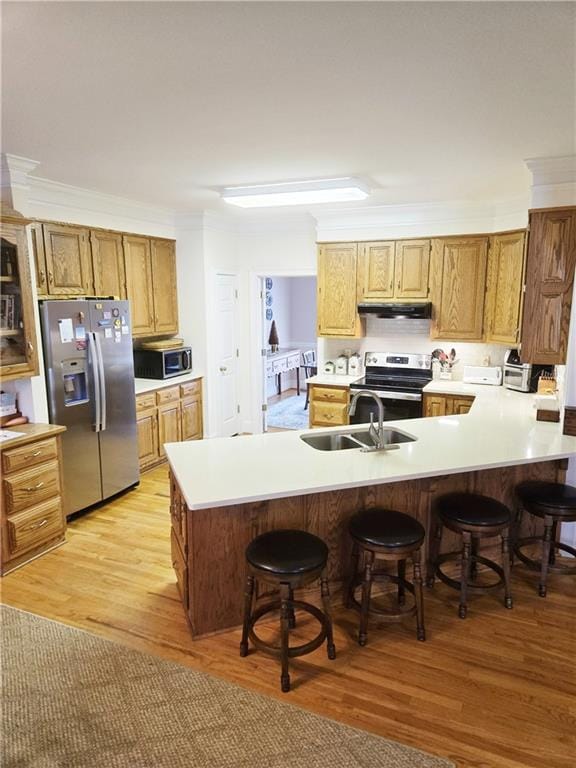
387 395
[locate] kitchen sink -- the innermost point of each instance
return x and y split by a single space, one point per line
341 441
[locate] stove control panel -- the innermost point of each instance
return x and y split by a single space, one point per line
394 360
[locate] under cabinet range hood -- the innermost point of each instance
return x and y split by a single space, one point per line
421 311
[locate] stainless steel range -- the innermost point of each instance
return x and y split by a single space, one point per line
397 380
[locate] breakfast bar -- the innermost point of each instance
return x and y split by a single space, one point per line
277 480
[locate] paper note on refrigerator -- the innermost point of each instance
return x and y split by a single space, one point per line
66 330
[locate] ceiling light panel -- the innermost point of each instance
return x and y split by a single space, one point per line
296 193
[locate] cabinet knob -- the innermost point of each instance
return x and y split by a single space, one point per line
223 369
50 277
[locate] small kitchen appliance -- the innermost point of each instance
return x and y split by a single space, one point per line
482 374
398 380
522 377
162 363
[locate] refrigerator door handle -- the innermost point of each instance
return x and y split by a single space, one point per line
94 364
102 381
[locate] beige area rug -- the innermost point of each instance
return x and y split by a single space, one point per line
73 699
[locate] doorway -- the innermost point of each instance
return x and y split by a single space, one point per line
288 347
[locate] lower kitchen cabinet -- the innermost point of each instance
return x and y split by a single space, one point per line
446 405
167 415
328 405
32 520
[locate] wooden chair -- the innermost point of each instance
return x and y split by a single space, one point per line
473 517
387 535
286 560
553 503
310 367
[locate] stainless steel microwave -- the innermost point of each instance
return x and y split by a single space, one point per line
162 363
523 377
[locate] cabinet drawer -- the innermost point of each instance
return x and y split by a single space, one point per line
170 395
191 388
329 414
31 528
28 488
330 394
143 402
279 366
180 569
293 361
29 455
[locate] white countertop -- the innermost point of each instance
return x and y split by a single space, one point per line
500 430
148 385
333 379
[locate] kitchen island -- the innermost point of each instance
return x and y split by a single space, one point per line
226 491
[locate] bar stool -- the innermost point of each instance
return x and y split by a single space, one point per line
389 536
473 517
285 560
554 503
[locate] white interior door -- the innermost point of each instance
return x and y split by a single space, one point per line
227 354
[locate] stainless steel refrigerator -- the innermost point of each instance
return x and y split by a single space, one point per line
90 380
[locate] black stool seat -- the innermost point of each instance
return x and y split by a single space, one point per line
548 498
386 528
473 509
287 552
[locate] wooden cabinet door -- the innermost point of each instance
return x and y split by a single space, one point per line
18 353
505 278
337 298
191 410
457 287
434 405
67 260
108 264
460 405
549 280
139 288
169 428
39 256
376 270
411 268
147 423
164 281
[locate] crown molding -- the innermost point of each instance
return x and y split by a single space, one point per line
55 200
422 219
16 169
552 170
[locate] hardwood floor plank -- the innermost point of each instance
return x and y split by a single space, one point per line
494 691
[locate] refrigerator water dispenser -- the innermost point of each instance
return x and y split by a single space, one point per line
74 376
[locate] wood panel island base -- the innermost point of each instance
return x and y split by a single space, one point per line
208 544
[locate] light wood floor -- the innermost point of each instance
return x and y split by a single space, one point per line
494 691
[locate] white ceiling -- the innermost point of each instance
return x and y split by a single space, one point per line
167 102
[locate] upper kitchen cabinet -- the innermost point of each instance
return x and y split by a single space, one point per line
68 263
550 268
393 270
151 285
504 288
411 268
108 264
457 284
337 295
163 256
376 271
18 354
139 284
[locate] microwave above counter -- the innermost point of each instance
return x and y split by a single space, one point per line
162 363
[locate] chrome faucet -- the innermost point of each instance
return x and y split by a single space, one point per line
376 433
